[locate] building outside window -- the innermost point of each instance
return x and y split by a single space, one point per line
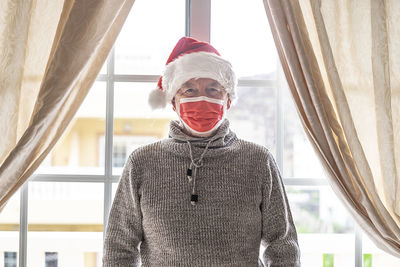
66 202
123 145
51 259
119 154
10 259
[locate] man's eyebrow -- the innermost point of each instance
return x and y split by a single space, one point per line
187 84
215 84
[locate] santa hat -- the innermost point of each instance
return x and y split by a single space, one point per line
192 59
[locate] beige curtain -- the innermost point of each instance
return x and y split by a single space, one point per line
342 63
50 55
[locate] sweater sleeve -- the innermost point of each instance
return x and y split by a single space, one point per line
279 235
124 228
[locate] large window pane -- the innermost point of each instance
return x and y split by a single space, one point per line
325 229
316 209
148 36
253 118
9 227
77 151
240 32
65 223
300 159
135 124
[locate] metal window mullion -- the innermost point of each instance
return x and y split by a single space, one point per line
109 139
257 83
135 78
154 79
188 4
279 117
305 182
129 78
23 224
358 247
200 20
75 178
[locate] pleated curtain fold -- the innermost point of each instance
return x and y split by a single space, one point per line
342 63
50 55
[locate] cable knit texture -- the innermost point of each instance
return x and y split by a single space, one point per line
241 204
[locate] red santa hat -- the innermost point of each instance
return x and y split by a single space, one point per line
192 59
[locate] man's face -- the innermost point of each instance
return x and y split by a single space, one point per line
201 87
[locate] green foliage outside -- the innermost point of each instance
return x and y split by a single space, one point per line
328 260
367 260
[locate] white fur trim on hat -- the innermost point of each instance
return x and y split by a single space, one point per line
189 66
157 99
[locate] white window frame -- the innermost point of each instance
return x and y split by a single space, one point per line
197 24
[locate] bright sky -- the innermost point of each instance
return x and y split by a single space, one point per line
239 31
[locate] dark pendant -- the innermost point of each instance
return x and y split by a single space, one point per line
194 198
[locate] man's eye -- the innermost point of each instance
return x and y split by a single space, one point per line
213 90
189 91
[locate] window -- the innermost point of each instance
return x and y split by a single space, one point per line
10 259
51 259
119 154
9 225
65 218
70 195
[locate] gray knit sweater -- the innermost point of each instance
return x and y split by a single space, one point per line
241 203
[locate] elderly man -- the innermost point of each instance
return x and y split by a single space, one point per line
202 196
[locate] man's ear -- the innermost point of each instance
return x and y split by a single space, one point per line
173 104
228 104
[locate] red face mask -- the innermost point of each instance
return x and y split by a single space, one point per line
201 115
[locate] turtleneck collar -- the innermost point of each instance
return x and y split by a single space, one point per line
220 138
221 141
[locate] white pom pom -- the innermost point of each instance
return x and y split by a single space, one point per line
157 99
